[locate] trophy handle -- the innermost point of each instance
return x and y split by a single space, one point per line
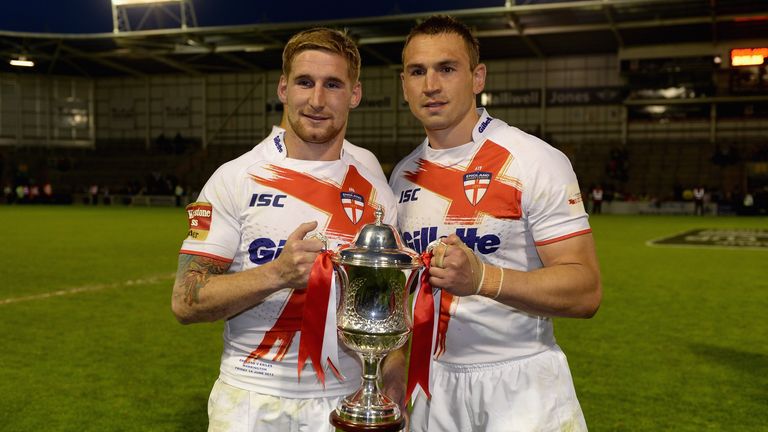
343 281
437 248
433 244
319 236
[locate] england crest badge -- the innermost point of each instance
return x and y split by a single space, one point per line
475 185
353 204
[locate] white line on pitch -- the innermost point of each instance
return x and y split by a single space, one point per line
87 288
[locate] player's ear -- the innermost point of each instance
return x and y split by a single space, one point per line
478 78
282 88
357 95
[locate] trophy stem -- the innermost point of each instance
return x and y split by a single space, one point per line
368 410
370 387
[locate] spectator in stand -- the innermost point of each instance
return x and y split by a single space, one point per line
8 193
93 191
178 192
597 199
22 191
106 198
34 192
47 192
749 203
698 200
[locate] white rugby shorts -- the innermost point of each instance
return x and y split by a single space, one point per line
534 393
231 409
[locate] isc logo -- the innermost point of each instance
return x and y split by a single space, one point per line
409 195
263 250
267 200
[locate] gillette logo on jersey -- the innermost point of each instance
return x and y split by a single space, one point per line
353 204
263 250
278 144
481 243
199 215
484 124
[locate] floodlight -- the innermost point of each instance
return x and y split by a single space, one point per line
142 2
656 109
22 61
182 11
749 56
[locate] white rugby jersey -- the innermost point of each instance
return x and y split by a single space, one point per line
244 214
504 193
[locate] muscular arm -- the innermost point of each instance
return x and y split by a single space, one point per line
202 292
567 286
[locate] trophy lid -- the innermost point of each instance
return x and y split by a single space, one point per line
378 245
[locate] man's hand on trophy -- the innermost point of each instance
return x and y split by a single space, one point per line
456 269
297 257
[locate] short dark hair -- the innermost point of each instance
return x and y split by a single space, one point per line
445 24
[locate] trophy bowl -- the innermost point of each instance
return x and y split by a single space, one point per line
375 277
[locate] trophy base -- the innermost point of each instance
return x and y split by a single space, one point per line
349 426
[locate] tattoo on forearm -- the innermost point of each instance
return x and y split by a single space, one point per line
195 272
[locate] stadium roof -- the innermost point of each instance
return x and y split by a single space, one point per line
686 27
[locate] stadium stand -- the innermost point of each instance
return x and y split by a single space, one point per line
646 117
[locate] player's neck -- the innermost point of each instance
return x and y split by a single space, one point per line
302 150
453 136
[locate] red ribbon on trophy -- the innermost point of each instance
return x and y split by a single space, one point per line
316 343
317 323
446 299
429 330
423 333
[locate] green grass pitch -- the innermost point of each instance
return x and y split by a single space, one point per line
89 342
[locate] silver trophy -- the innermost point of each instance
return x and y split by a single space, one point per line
376 275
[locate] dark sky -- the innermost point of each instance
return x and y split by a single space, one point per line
95 16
